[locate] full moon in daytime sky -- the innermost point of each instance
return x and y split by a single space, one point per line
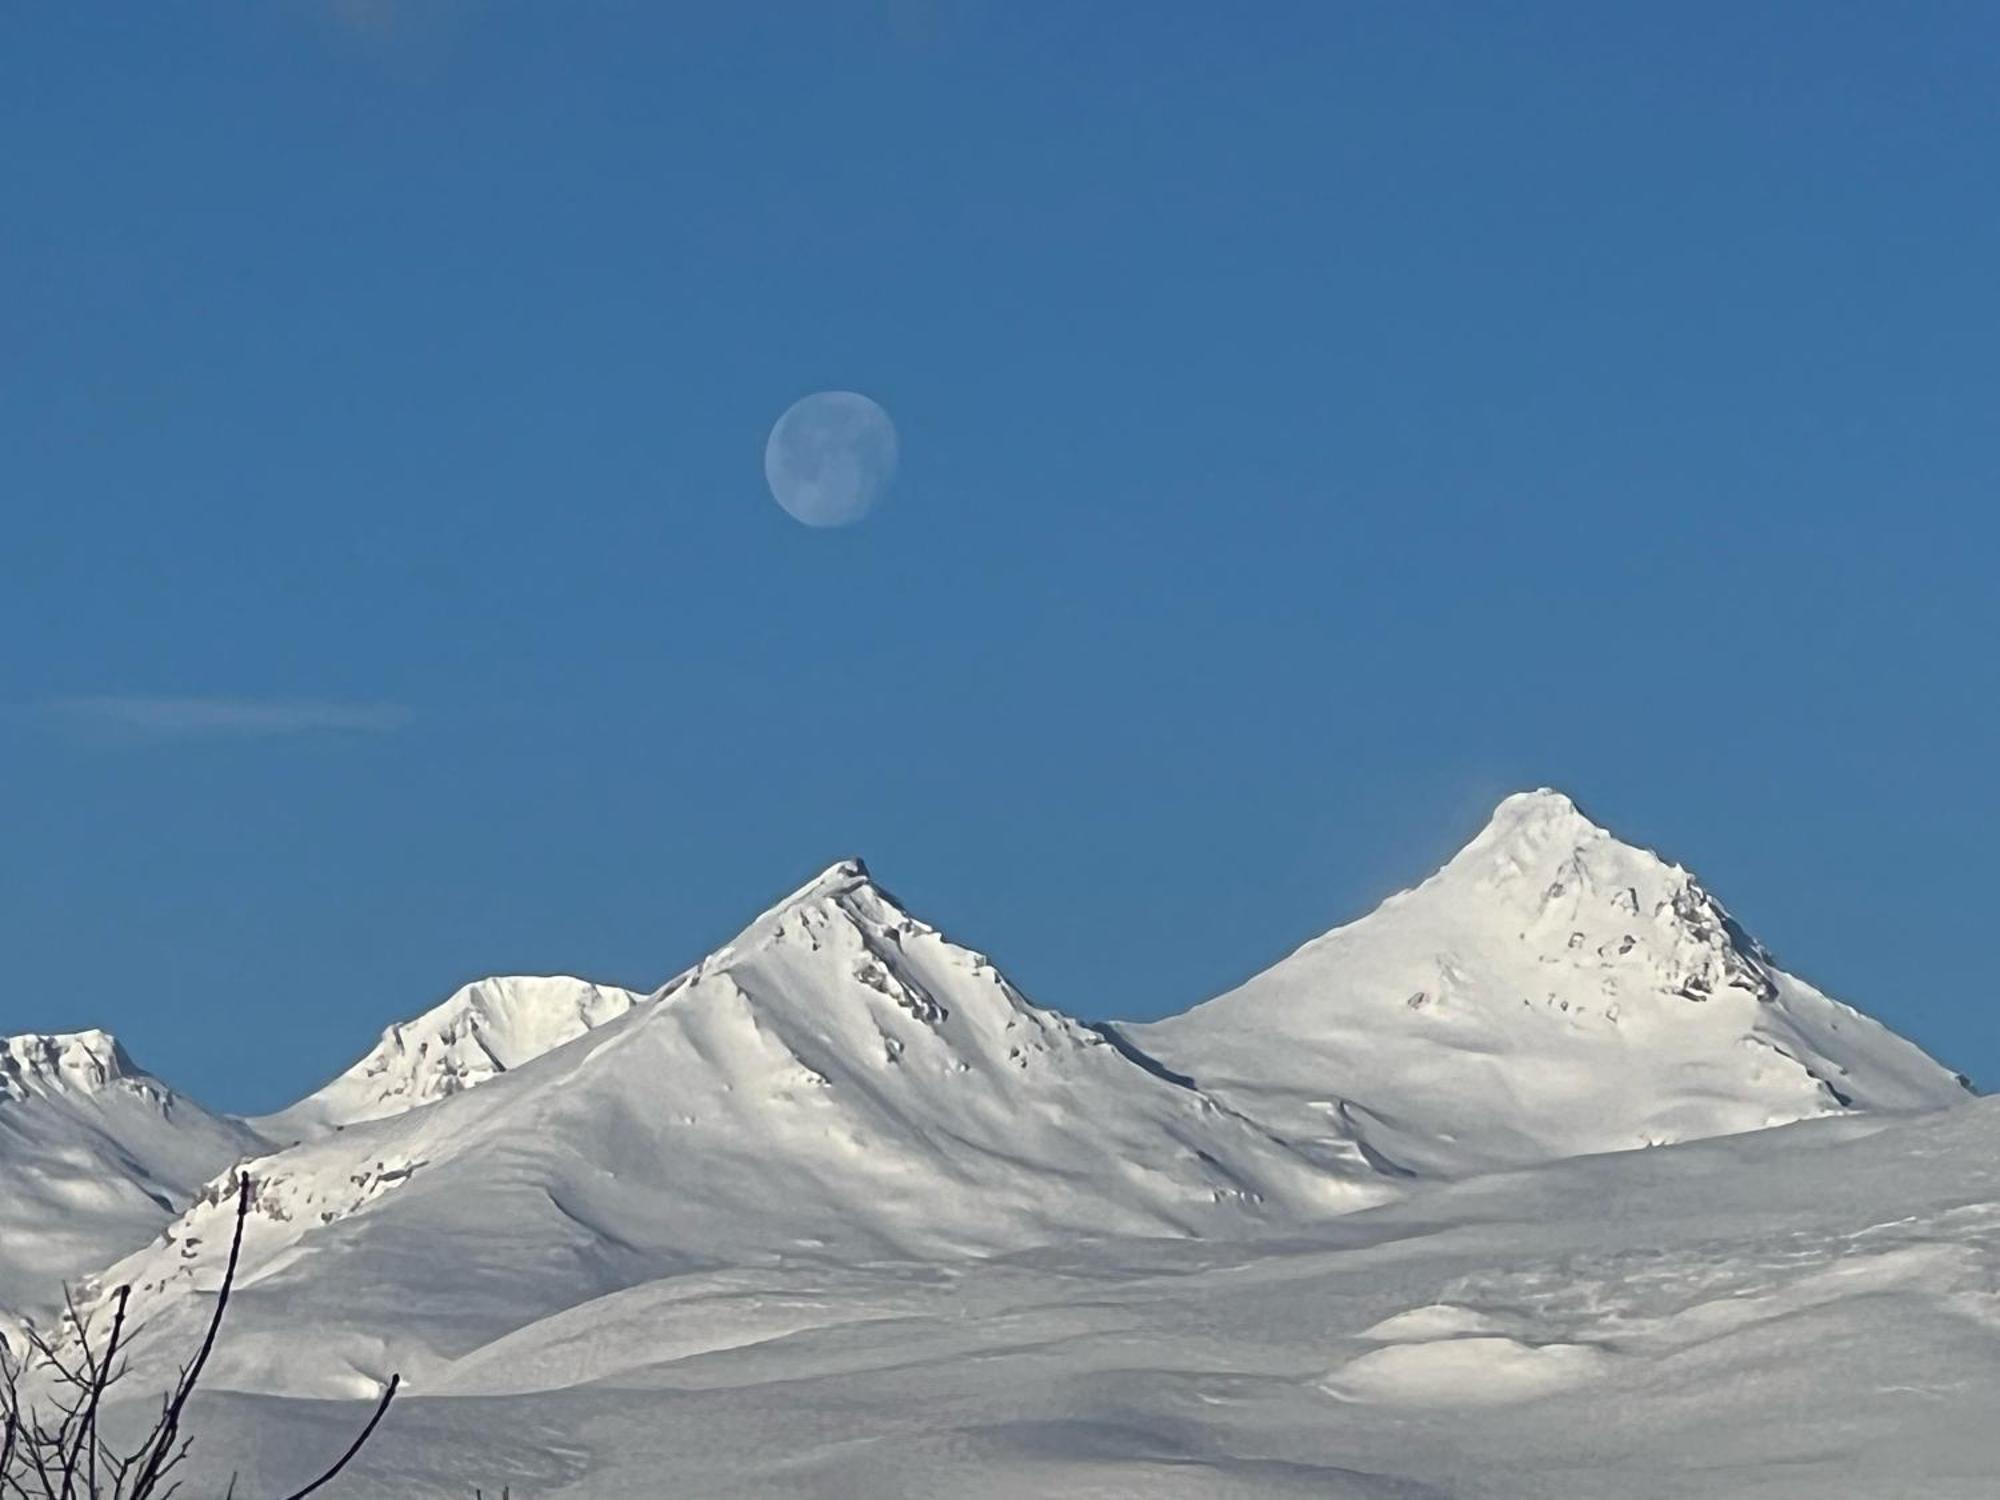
830 458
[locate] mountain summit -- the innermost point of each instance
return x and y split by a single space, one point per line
484 1030
1551 991
77 1061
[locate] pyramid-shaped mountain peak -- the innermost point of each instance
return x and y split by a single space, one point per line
1551 991
844 893
1540 845
838 879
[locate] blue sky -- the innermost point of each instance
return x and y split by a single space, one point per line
1316 421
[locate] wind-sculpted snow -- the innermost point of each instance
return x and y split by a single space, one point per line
1550 992
95 1157
1806 1313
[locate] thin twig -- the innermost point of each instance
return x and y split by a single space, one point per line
381 1410
169 1427
58 1452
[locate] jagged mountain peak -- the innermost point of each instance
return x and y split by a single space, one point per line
845 884
843 955
844 896
836 879
483 1030
81 1061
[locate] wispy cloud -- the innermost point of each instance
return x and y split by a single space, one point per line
394 25
377 19
140 717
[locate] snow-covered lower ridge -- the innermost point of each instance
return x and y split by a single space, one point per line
840 1083
96 1155
1551 991
482 1031
1806 1313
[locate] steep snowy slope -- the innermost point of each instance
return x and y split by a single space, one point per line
479 1033
841 1083
1551 991
95 1158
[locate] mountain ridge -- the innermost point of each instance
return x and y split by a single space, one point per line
842 1080
840 1083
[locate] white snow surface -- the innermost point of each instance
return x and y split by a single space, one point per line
1805 1313
1551 991
96 1157
839 1084
839 1212
482 1031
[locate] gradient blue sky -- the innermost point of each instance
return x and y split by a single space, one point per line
1317 420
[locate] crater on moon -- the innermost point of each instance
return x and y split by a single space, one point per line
830 458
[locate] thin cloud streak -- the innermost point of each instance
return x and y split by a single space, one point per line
140 717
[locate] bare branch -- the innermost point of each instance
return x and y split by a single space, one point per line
170 1424
381 1410
57 1452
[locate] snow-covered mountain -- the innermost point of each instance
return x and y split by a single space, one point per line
839 1210
96 1157
1551 991
841 1083
482 1031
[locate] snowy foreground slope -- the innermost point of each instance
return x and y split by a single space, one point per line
1551 991
1808 1313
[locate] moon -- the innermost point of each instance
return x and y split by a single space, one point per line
830 458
